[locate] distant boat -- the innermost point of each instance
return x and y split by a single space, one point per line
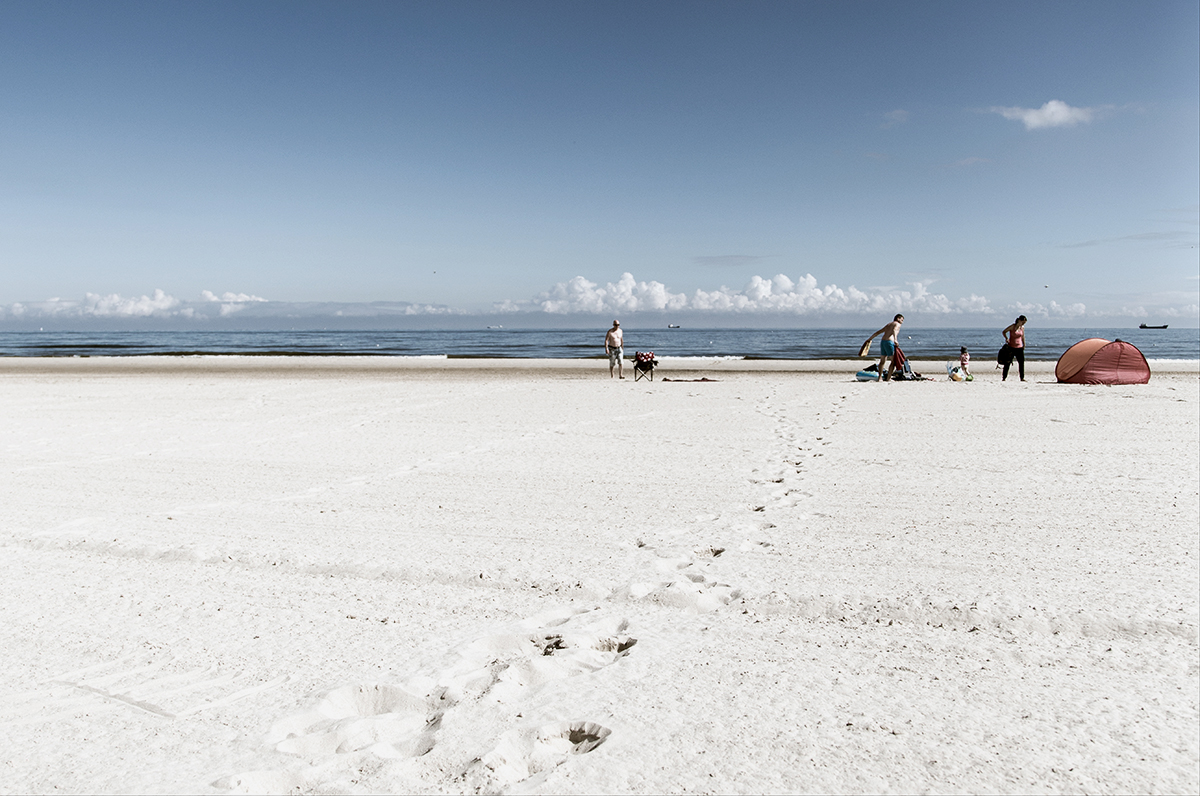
1144 326
672 326
495 327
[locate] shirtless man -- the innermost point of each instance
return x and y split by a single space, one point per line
887 346
614 346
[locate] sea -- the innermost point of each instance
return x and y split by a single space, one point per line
785 344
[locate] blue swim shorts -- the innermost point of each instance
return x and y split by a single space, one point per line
887 347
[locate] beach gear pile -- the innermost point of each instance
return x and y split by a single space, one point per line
955 372
904 370
906 373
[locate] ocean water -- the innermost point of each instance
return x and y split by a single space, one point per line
928 344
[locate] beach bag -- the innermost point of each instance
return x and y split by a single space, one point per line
1005 357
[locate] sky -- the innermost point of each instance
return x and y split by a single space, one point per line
730 164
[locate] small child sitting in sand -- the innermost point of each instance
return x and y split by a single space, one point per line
964 360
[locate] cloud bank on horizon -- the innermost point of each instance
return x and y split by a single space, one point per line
779 294
162 306
803 298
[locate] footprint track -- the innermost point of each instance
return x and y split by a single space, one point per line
680 578
499 673
389 721
784 474
526 753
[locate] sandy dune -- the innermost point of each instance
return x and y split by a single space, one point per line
280 575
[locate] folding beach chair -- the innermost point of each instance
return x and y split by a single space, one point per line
643 365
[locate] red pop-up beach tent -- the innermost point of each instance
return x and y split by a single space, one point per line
1097 361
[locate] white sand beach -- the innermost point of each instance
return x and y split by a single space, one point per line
376 575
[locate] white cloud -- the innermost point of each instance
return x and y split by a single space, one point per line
94 305
893 118
779 294
138 307
1054 113
238 298
578 295
1052 310
230 302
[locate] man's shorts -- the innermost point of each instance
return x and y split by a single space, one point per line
614 356
887 347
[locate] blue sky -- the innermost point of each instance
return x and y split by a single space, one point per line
794 164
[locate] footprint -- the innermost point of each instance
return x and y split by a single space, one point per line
682 581
402 722
517 661
693 591
525 753
754 545
388 721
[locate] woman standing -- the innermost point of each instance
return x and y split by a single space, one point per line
1014 341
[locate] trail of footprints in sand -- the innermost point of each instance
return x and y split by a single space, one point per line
147 684
794 453
680 578
802 437
402 721
688 578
